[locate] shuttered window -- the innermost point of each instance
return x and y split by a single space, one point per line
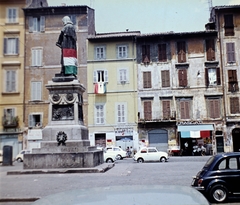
212 76
12 15
147 110
122 51
182 77
166 109
228 25
36 24
232 81
230 52
11 81
234 105
145 53
214 108
165 78
181 49
121 112
210 49
162 52
147 80
99 114
36 91
185 109
11 46
100 52
100 76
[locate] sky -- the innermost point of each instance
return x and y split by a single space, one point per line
148 16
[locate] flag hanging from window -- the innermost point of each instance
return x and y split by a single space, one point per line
100 88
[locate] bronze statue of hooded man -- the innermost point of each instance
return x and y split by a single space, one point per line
67 42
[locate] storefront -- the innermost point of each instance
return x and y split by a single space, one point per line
194 138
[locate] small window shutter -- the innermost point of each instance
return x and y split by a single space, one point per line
13 80
8 86
42 23
14 15
166 109
30 24
218 76
30 121
105 76
5 46
206 77
182 77
17 46
94 76
147 110
181 52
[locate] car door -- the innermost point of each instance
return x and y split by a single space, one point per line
152 154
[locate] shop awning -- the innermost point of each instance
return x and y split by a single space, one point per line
195 131
183 128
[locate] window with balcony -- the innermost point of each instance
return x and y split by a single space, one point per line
11 78
146 54
10 120
36 24
100 52
232 81
12 15
212 76
182 77
181 51
228 25
122 51
11 46
99 114
147 79
165 78
230 53
234 105
36 91
210 49
37 54
100 76
162 52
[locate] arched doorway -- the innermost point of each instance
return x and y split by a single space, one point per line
236 139
158 138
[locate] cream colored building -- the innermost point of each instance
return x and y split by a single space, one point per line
12 74
112 90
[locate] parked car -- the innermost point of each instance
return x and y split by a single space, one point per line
20 156
119 152
109 157
219 179
148 154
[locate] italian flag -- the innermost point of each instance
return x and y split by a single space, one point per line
100 88
70 60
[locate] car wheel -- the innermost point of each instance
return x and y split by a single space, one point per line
218 193
109 160
140 160
19 160
163 159
119 157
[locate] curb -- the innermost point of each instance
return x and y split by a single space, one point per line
13 199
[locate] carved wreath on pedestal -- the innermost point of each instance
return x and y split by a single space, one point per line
61 138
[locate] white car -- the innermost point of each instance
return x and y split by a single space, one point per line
148 154
117 151
20 156
109 157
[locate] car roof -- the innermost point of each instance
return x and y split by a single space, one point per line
227 154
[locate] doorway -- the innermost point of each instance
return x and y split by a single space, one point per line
236 140
100 140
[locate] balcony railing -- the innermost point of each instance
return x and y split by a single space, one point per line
10 122
157 117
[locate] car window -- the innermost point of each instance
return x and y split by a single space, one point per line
233 163
152 150
223 164
115 149
144 151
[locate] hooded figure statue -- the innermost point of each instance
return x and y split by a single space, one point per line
67 42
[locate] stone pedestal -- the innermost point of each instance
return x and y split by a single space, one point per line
65 139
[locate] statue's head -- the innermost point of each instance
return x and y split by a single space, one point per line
66 20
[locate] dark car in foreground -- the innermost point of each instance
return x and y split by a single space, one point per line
219 179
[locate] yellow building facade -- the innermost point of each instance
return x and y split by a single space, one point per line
112 90
12 74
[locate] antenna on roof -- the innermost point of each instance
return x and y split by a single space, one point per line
210 5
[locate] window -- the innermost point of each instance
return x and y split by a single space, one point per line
212 76
230 52
166 109
100 52
214 108
145 54
182 77
181 50
99 114
12 15
11 80
36 91
37 54
165 78
147 106
147 80
11 46
232 81
122 51
122 75
162 52
36 24
185 109
9 114
35 120
100 76
228 25
234 105
210 49
121 112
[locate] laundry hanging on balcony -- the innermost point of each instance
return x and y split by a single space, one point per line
100 88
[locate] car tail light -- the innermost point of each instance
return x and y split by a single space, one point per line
200 182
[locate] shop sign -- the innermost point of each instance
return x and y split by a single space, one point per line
34 134
123 131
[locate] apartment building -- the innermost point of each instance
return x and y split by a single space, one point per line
112 89
12 74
